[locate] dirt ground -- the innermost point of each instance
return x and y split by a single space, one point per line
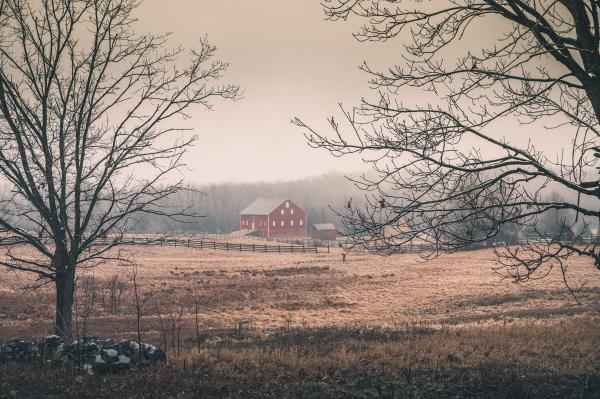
270 291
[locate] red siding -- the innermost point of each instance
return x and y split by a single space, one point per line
270 226
298 217
255 222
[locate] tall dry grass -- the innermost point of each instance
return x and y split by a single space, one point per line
554 359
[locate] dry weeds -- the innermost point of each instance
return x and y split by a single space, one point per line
558 358
306 325
272 290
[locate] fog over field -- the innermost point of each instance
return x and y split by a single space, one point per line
370 199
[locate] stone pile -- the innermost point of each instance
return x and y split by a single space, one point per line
90 354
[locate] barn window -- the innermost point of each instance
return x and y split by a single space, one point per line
273 223
287 204
291 223
301 222
282 223
282 211
292 211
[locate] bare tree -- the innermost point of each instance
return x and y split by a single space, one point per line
458 159
88 110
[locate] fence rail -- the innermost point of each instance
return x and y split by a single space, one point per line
292 246
224 246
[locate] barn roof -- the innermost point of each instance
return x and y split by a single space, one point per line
324 226
263 206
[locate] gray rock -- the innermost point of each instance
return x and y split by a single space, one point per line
110 355
124 363
88 368
90 354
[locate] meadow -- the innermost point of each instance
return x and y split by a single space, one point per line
310 325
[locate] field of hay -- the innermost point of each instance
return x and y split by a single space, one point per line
310 325
270 291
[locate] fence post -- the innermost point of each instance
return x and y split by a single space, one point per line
302 246
327 247
227 246
265 248
240 247
291 248
279 248
252 247
188 242
214 245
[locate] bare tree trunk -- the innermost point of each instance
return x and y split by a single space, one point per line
62 161
65 284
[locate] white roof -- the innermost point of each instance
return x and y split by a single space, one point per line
263 206
324 226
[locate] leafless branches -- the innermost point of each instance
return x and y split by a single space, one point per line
84 106
456 171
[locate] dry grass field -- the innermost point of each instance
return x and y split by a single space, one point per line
271 291
314 326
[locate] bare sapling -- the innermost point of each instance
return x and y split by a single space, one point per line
138 310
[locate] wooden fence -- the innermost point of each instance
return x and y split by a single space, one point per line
295 241
294 246
223 246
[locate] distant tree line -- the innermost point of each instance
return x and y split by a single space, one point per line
325 198
220 203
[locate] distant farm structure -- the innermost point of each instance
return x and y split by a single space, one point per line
273 218
324 231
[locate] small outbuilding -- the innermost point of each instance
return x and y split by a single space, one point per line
324 231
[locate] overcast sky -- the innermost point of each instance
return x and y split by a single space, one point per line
289 62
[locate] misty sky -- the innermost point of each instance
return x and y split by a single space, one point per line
289 61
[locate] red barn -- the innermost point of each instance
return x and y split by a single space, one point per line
274 217
324 231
